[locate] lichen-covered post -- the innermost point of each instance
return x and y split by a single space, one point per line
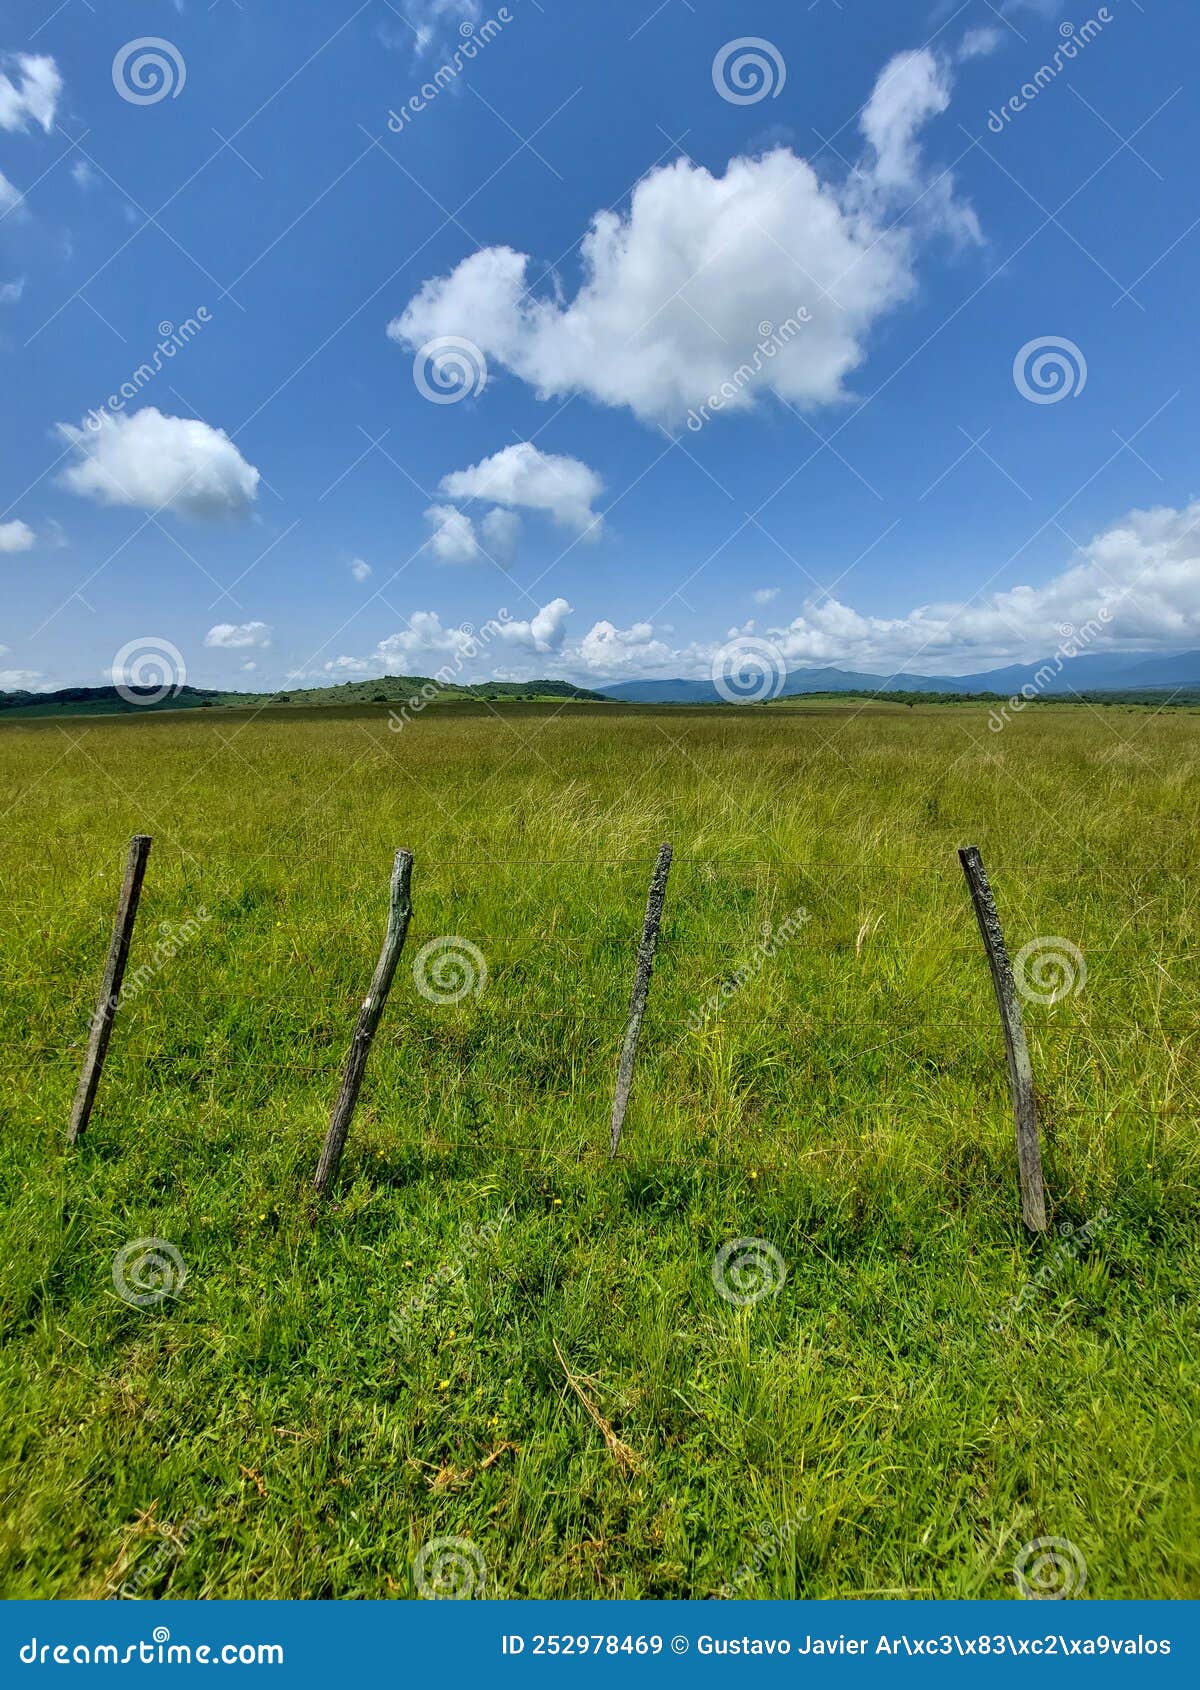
1020 1069
399 914
641 990
110 991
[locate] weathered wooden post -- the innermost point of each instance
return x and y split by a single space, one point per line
1020 1069
641 989
110 990
399 913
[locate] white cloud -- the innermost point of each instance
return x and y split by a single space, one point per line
764 595
10 292
154 462
360 569
608 649
429 18
231 636
544 632
453 539
82 173
16 537
500 529
9 196
522 477
33 96
423 637
977 43
675 291
249 668
20 679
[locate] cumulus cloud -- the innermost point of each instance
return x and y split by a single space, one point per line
231 636
10 292
431 18
521 477
30 86
16 537
500 529
607 649
683 289
764 595
453 539
9 196
360 569
159 462
423 637
544 632
21 679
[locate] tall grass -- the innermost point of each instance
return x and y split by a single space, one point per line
927 1390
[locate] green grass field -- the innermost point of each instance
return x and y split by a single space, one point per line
494 1333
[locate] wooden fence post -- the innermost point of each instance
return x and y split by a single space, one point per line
641 989
1020 1070
399 913
110 990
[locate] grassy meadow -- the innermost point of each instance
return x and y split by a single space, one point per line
496 1334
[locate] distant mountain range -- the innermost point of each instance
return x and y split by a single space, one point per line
396 690
1106 672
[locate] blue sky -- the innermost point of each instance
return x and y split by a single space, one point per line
949 327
